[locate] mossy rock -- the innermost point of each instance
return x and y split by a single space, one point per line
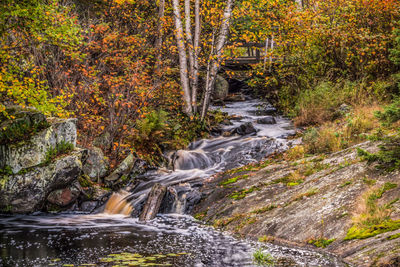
21 124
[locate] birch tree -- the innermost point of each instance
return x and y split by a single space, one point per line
216 57
183 65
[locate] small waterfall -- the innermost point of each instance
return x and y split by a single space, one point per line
193 159
117 204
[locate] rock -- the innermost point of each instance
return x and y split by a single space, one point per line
263 112
235 98
29 153
180 199
245 129
88 206
66 196
104 141
95 165
226 122
344 108
153 202
235 86
218 103
129 168
27 192
266 120
325 205
221 88
123 169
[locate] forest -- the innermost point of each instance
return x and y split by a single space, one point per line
247 115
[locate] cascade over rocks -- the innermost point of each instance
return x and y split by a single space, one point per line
266 120
245 129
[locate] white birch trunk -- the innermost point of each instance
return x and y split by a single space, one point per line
183 68
216 61
196 47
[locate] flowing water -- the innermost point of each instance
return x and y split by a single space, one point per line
115 237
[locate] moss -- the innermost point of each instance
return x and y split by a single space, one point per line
242 193
368 181
345 184
264 209
357 232
309 193
224 222
266 239
7 170
321 242
234 180
84 181
6 209
4 180
200 215
393 236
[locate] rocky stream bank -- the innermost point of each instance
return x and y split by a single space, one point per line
318 201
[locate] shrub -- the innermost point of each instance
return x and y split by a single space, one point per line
323 140
391 113
262 259
60 149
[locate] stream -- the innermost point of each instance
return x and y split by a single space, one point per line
172 238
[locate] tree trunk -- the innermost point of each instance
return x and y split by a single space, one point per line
189 39
196 47
216 61
153 202
183 68
158 45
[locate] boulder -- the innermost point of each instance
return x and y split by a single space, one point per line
266 120
221 88
235 98
27 191
95 164
245 129
32 152
129 168
123 169
66 196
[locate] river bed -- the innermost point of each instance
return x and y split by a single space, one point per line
174 239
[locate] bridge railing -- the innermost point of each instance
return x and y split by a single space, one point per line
247 53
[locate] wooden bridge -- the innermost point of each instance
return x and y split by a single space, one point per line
245 54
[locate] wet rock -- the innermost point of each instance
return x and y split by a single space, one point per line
218 103
180 199
235 98
88 206
153 202
226 122
245 129
66 196
266 120
26 192
95 165
263 112
32 152
221 88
